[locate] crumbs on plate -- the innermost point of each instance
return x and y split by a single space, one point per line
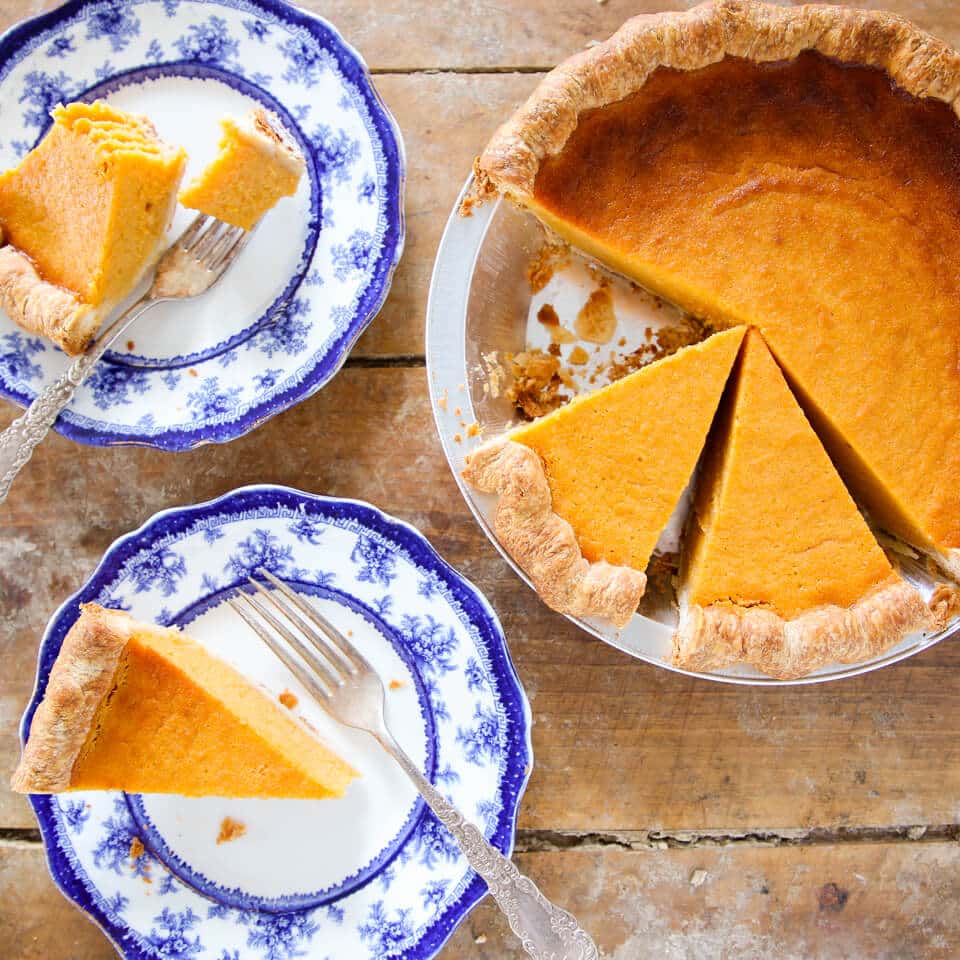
230 829
289 699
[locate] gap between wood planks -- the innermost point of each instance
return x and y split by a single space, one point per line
412 71
558 841
397 360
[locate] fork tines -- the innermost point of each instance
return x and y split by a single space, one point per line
309 639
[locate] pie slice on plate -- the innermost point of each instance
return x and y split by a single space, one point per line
145 709
256 166
782 571
586 490
796 169
84 217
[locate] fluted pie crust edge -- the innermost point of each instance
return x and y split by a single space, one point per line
720 635
543 543
917 62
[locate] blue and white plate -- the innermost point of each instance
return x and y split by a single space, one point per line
371 875
318 268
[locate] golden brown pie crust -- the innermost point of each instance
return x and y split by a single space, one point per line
41 307
619 67
81 677
719 635
543 543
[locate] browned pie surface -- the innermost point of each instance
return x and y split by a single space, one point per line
820 203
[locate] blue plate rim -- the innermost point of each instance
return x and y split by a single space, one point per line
514 782
373 298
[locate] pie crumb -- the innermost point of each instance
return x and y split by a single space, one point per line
192 372
596 320
396 684
536 385
230 829
548 316
457 412
130 344
578 356
442 402
457 438
473 429
289 699
137 848
944 603
550 258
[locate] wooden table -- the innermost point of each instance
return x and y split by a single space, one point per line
677 818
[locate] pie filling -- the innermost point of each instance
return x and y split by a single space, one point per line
255 167
145 709
760 167
86 210
812 200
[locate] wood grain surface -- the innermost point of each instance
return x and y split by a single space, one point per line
823 819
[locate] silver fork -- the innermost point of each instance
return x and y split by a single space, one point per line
196 261
351 691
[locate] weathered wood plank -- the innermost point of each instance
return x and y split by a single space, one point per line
886 901
397 36
446 119
619 745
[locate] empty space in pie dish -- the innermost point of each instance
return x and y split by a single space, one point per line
297 852
187 112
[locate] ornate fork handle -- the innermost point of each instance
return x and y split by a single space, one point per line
21 438
546 931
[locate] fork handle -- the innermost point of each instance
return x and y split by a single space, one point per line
21 438
546 931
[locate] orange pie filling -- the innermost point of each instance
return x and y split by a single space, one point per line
145 709
255 167
812 200
85 215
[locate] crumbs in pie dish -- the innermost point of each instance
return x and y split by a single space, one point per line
545 376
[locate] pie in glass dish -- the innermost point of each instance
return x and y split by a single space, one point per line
794 170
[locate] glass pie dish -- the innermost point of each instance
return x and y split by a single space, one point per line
483 308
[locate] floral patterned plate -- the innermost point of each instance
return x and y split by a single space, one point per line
320 264
372 875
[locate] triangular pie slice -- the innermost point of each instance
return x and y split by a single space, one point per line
255 167
145 709
85 216
781 570
792 168
586 490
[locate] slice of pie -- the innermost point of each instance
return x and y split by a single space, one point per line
586 490
131 706
792 168
782 571
256 166
85 216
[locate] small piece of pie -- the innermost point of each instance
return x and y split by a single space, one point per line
586 490
84 216
256 166
145 709
791 169
805 582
